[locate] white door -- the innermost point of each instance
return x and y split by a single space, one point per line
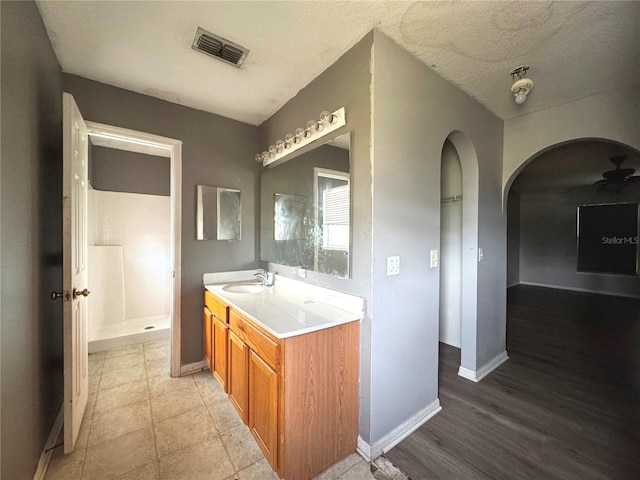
74 269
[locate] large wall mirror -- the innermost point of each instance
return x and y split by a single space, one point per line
305 206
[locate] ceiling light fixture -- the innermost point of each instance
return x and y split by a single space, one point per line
522 85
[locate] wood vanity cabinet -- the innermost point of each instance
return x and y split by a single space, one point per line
238 376
219 328
263 407
298 395
220 342
207 337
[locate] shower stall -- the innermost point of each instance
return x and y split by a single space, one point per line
129 260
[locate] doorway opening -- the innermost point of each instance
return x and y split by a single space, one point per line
450 246
134 236
543 201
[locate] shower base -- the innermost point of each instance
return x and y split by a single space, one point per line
130 332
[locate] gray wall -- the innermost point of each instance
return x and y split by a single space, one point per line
548 251
216 151
31 224
397 212
120 171
415 110
513 239
345 83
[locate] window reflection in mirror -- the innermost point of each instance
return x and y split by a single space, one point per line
332 205
218 213
304 210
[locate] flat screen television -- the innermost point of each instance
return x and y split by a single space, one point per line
608 238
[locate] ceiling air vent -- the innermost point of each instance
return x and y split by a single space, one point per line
219 48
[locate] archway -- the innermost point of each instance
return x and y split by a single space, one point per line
542 199
469 255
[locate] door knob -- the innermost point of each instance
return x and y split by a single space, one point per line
63 294
78 293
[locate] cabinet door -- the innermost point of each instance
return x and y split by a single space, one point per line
207 338
238 379
263 407
220 333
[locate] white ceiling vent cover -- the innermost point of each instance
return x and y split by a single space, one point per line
218 47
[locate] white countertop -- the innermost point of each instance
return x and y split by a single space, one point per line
284 312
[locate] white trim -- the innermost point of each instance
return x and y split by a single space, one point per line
486 369
581 290
194 367
395 436
514 284
47 451
174 152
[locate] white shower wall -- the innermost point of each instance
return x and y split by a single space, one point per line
139 224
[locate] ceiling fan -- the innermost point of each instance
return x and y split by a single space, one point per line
613 181
619 178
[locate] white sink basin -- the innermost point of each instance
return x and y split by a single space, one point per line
244 288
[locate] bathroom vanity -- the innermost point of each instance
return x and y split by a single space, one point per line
288 360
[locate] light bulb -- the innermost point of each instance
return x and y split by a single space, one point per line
300 133
280 146
265 155
288 140
259 157
327 117
521 97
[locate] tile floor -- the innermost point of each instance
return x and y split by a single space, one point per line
141 424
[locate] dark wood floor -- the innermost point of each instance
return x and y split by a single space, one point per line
566 405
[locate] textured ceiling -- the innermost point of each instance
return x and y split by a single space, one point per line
575 49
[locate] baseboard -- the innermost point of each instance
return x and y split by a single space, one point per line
580 290
193 367
451 342
486 369
395 436
514 284
47 451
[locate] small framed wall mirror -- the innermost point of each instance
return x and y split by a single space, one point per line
218 213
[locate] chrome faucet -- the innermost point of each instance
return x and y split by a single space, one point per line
265 277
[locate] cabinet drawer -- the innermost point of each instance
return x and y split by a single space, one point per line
217 307
264 346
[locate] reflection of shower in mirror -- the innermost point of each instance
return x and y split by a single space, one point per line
289 213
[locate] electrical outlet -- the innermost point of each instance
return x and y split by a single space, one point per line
302 273
393 265
434 259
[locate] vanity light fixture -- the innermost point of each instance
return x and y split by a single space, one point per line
522 85
315 129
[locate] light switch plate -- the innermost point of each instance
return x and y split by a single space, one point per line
393 265
480 254
434 259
